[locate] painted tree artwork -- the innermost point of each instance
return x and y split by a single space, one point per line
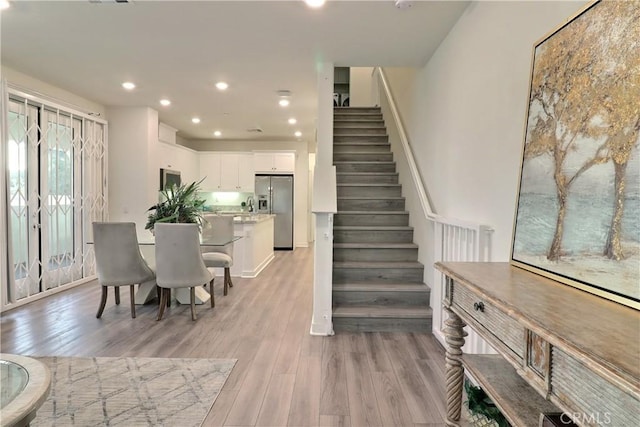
578 214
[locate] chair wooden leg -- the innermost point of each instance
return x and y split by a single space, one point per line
103 301
227 272
226 284
168 297
117 290
163 304
132 292
193 302
213 298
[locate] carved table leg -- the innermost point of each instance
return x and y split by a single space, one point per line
454 336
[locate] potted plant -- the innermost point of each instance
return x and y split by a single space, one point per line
179 203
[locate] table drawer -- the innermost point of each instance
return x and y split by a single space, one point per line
501 326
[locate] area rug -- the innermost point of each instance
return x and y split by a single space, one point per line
131 391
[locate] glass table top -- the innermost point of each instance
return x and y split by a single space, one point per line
13 379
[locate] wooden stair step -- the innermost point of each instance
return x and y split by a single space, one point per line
371 311
378 265
381 287
372 227
373 245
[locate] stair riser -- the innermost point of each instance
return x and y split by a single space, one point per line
377 148
370 219
359 117
339 124
375 254
371 236
387 299
378 275
357 110
359 131
370 204
374 191
367 179
358 138
363 157
350 324
366 167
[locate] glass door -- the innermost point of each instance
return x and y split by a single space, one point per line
45 209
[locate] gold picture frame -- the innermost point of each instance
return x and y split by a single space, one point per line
577 217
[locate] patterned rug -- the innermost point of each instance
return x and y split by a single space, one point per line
131 391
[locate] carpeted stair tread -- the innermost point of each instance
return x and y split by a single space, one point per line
372 212
360 184
368 311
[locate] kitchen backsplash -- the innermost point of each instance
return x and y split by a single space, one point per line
226 201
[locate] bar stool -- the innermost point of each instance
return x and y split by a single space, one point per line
218 229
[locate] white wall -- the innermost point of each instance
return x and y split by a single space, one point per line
301 210
133 164
360 90
465 110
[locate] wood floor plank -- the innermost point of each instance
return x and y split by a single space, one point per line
305 402
363 406
277 401
263 323
335 421
417 394
246 407
391 402
334 399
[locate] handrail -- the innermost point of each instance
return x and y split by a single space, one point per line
413 167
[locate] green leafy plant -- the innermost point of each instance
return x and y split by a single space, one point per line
480 403
180 203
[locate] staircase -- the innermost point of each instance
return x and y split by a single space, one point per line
377 279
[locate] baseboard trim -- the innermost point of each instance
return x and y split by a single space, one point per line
250 274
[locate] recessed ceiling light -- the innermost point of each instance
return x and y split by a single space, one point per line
195 120
128 85
165 102
284 102
222 85
217 133
298 134
4 4
292 121
314 3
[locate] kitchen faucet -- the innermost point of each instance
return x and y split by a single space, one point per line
250 203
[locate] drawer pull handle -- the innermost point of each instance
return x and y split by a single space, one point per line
478 306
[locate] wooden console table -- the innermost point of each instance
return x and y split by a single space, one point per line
561 349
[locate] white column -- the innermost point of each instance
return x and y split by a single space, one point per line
324 206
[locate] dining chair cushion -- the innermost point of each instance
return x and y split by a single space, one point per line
179 263
217 259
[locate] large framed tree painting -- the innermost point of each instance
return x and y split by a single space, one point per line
578 212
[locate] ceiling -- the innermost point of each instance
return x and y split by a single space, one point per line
180 49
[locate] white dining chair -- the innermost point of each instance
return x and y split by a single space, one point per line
218 229
179 263
118 260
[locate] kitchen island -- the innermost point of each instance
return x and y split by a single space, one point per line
254 251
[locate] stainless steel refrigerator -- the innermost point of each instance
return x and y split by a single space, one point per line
274 195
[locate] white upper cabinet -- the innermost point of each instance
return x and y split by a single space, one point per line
227 172
236 171
274 162
210 171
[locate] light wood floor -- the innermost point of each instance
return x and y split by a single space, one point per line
283 375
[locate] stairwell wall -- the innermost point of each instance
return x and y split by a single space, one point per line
464 114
